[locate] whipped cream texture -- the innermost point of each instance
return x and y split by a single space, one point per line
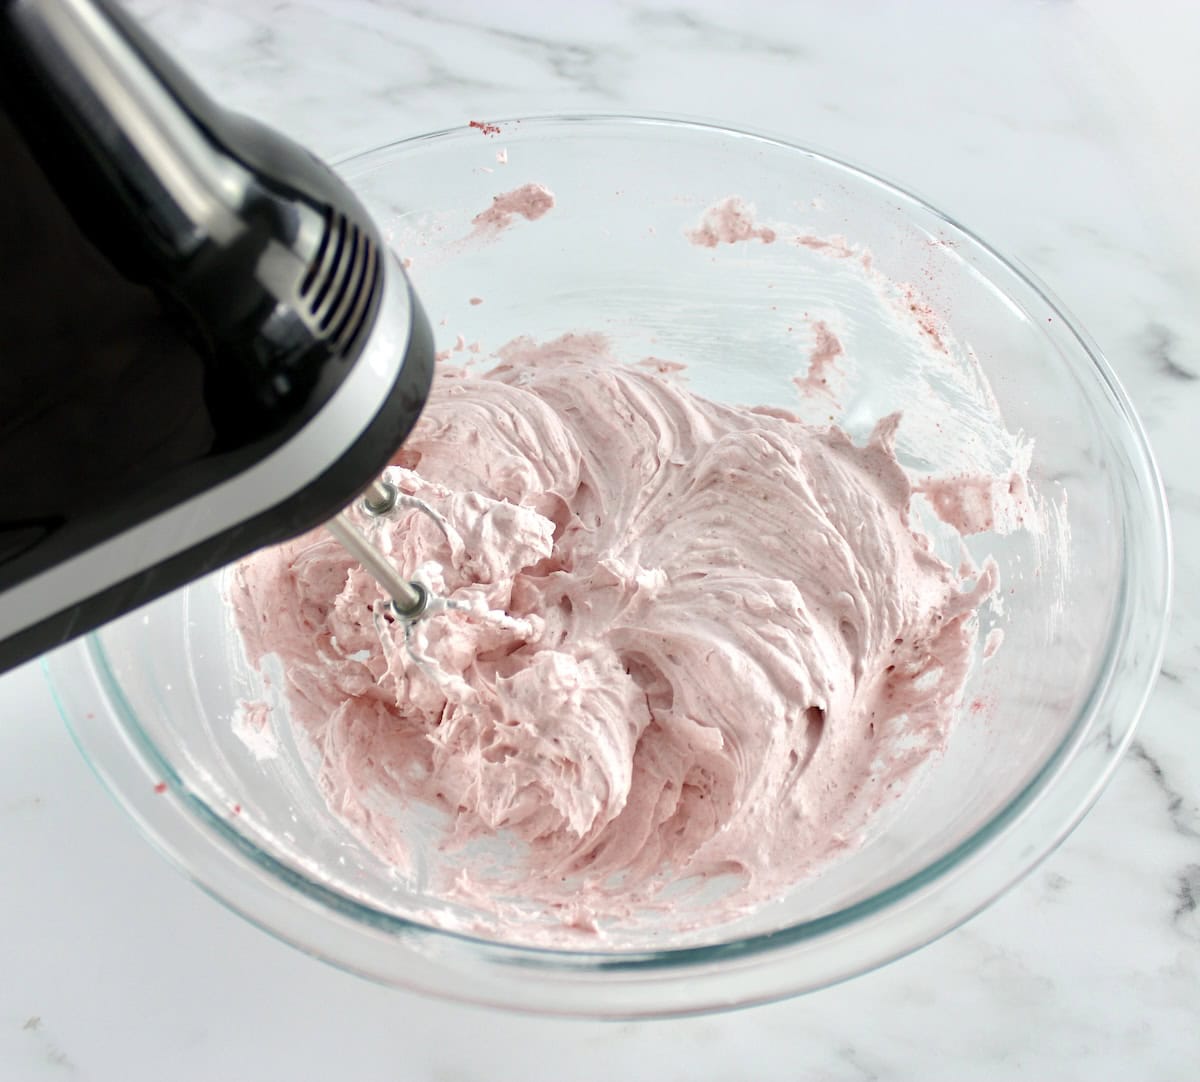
696 641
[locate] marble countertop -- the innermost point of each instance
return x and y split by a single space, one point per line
1062 132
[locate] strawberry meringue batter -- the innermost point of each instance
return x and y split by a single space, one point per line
697 641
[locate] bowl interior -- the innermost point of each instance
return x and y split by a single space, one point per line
923 311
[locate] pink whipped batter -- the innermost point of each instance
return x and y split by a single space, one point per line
723 641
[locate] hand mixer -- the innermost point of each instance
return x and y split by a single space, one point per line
204 346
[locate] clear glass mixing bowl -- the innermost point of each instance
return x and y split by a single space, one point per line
151 697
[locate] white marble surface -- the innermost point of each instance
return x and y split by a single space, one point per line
1064 133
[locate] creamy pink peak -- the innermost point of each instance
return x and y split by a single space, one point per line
727 643
530 201
728 222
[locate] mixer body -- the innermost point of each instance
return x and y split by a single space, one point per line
204 344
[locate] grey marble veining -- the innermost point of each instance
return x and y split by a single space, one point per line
1051 129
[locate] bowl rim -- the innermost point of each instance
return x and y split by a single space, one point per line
172 822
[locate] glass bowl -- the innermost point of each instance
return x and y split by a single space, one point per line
152 698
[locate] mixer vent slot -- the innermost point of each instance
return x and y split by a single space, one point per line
341 282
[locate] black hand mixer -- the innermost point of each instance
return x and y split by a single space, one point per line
205 347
